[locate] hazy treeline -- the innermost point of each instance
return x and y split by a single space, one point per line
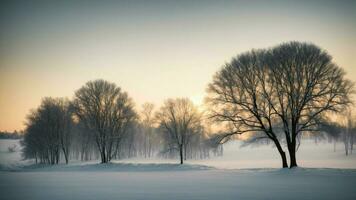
11 135
344 131
101 122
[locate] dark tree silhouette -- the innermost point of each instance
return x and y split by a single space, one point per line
286 89
107 112
48 131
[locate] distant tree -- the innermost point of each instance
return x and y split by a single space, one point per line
11 135
48 131
180 119
348 132
84 146
343 130
64 124
147 121
331 130
106 111
286 89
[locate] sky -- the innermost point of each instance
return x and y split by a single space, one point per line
153 50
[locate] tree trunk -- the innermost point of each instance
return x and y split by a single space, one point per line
346 143
351 142
66 158
57 157
282 154
104 158
181 153
293 160
65 154
185 152
103 155
292 153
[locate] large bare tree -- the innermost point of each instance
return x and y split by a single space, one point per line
282 91
107 111
180 119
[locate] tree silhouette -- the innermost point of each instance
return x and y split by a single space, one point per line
107 111
286 89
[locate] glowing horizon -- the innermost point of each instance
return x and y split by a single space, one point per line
153 51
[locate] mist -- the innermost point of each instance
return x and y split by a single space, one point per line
177 100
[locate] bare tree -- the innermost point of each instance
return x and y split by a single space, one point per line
331 130
284 89
107 111
83 142
147 121
178 118
65 125
48 131
348 130
237 98
309 85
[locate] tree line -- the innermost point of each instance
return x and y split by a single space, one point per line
275 94
344 131
11 135
101 122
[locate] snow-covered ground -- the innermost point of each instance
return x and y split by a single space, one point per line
242 173
175 184
8 159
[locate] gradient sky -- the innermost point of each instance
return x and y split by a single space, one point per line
152 49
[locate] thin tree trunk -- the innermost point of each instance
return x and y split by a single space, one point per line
351 142
346 143
102 154
65 154
181 153
185 152
282 154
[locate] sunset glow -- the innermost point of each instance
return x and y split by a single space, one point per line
152 51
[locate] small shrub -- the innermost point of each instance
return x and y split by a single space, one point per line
12 148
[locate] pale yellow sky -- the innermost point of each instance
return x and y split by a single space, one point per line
152 50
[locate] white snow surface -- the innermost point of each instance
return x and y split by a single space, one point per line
242 173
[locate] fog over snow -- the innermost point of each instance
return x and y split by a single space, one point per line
242 173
